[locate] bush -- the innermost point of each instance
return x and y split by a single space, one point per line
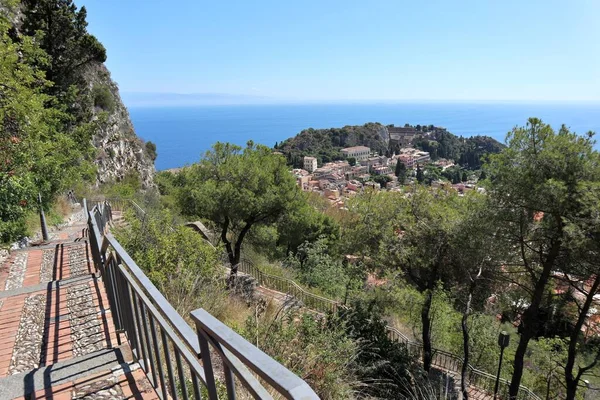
103 98
151 150
319 353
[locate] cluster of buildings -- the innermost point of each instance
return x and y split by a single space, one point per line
339 179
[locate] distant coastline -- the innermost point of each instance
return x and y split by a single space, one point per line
184 133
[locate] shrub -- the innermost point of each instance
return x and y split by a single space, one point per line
151 150
103 98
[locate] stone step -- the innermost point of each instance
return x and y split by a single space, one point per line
26 383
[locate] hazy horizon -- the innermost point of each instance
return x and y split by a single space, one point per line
175 99
384 50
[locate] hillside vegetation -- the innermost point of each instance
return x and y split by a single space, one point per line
325 144
62 123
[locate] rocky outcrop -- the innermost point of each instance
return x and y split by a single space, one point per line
120 150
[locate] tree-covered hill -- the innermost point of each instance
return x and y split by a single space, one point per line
325 144
468 152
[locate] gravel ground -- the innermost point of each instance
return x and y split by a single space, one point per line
16 274
47 268
100 390
87 334
28 343
78 264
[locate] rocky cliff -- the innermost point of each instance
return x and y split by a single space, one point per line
120 150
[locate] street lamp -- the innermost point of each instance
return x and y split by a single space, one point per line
503 340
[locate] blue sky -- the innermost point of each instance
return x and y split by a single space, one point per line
522 50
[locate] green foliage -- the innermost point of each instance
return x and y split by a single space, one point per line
164 250
325 144
317 268
381 179
351 161
545 189
468 152
382 365
103 98
64 38
151 150
237 190
420 174
36 156
400 172
319 353
126 188
304 223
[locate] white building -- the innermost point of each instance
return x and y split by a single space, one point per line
310 164
360 153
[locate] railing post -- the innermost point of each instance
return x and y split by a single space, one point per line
207 363
43 225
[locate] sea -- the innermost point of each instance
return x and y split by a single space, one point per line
183 134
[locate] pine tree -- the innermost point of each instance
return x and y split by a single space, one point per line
400 172
420 175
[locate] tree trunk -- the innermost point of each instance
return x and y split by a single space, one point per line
529 322
426 322
572 381
465 332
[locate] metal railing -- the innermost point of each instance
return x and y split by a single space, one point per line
451 362
175 358
289 287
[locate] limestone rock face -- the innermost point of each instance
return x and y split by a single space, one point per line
120 150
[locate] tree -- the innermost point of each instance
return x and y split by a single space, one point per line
65 39
464 177
540 189
400 172
420 247
482 175
475 254
384 366
36 156
382 180
304 223
237 190
420 175
351 161
151 150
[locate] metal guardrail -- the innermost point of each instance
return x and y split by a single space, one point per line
167 348
289 287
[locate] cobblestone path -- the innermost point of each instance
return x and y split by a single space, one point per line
57 338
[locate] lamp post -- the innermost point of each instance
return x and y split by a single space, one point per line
503 340
43 219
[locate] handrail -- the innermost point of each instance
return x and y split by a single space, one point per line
159 336
441 359
288 286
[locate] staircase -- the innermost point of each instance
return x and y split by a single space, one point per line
57 337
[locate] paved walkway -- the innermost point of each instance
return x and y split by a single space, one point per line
57 338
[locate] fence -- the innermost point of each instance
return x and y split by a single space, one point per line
441 359
289 287
167 348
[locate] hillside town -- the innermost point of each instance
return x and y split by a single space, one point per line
361 168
